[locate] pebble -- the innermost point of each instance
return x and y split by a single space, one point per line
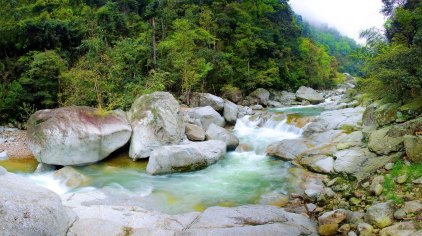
365 229
344 229
378 189
311 207
400 214
389 166
417 181
365 185
352 233
401 179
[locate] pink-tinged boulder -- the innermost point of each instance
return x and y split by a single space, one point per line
76 135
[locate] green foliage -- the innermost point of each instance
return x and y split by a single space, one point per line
394 66
100 52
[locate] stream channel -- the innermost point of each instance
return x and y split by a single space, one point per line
238 179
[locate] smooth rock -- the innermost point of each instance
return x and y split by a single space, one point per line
274 199
42 167
239 221
215 132
401 179
230 112
413 147
332 217
413 207
349 118
381 215
287 149
309 94
186 157
389 166
206 99
71 177
207 115
319 163
30 210
400 214
156 121
76 135
194 132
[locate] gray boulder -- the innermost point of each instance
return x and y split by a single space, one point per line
259 96
207 115
156 121
309 94
381 214
382 143
76 135
287 149
206 99
413 147
348 118
319 163
186 157
230 112
407 228
30 210
194 133
251 220
215 132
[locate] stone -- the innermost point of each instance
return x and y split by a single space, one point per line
230 112
365 229
156 121
3 156
76 135
376 185
274 199
251 220
400 214
347 119
319 163
275 104
194 132
332 217
389 166
315 127
378 189
344 229
401 179
259 96
287 149
413 147
206 99
406 228
71 177
185 157
350 160
351 140
352 233
309 94
234 95
207 115
383 144
386 113
417 181
257 107
413 207
28 209
328 229
381 215
215 132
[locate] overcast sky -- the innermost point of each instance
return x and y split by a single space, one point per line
347 16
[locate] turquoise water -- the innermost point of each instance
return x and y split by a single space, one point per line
240 178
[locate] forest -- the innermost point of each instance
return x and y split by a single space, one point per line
106 53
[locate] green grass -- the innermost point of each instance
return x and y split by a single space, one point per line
391 188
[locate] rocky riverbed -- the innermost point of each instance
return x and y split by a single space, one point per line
339 170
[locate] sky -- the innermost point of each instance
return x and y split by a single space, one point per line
349 17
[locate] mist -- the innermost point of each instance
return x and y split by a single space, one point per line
349 17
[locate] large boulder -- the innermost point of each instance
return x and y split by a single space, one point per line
381 142
156 121
413 147
309 94
287 149
251 220
206 115
76 135
185 157
346 119
206 99
30 210
406 228
230 112
215 132
259 96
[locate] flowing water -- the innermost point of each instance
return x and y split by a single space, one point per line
240 178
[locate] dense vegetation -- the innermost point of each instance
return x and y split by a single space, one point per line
104 53
394 57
